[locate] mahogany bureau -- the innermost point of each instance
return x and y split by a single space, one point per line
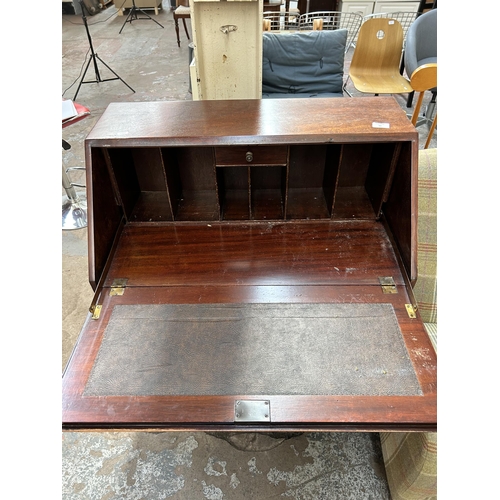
252 262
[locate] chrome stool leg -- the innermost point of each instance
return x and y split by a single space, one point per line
74 205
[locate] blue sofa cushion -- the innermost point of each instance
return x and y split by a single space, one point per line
310 64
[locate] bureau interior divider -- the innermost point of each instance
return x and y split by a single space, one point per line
252 181
312 181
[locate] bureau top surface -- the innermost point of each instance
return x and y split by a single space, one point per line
266 121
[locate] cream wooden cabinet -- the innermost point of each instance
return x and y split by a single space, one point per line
375 7
227 38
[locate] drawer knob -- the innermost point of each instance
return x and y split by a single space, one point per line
249 156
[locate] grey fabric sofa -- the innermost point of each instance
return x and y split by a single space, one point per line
303 64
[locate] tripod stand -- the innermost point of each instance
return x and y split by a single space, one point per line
93 58
132 16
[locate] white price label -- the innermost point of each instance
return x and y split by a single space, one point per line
380 125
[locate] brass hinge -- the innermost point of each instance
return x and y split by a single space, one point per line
410 309
118 286
388 284
96 311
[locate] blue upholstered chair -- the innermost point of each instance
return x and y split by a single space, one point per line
421 46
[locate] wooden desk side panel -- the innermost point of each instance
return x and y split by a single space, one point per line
400 209
103 211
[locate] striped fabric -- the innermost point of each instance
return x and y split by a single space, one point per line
410 458
425 289
432 331
410 464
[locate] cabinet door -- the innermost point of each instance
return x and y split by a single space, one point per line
389 6
362 8
227 39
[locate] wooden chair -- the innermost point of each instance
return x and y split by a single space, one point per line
375 62
318 24
182 11
406 19
422 79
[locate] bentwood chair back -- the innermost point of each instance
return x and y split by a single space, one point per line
376 59
422 79
406 19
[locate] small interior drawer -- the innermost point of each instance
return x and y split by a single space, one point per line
251 155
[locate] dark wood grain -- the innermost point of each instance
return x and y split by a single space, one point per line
253 121
400 208
358 412
259 155
326 208
301 253
102 199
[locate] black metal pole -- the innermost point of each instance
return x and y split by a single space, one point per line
132 16
93 54
93 58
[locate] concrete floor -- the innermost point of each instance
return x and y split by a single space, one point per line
179 465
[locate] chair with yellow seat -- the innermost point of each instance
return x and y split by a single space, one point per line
422 79
376 60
